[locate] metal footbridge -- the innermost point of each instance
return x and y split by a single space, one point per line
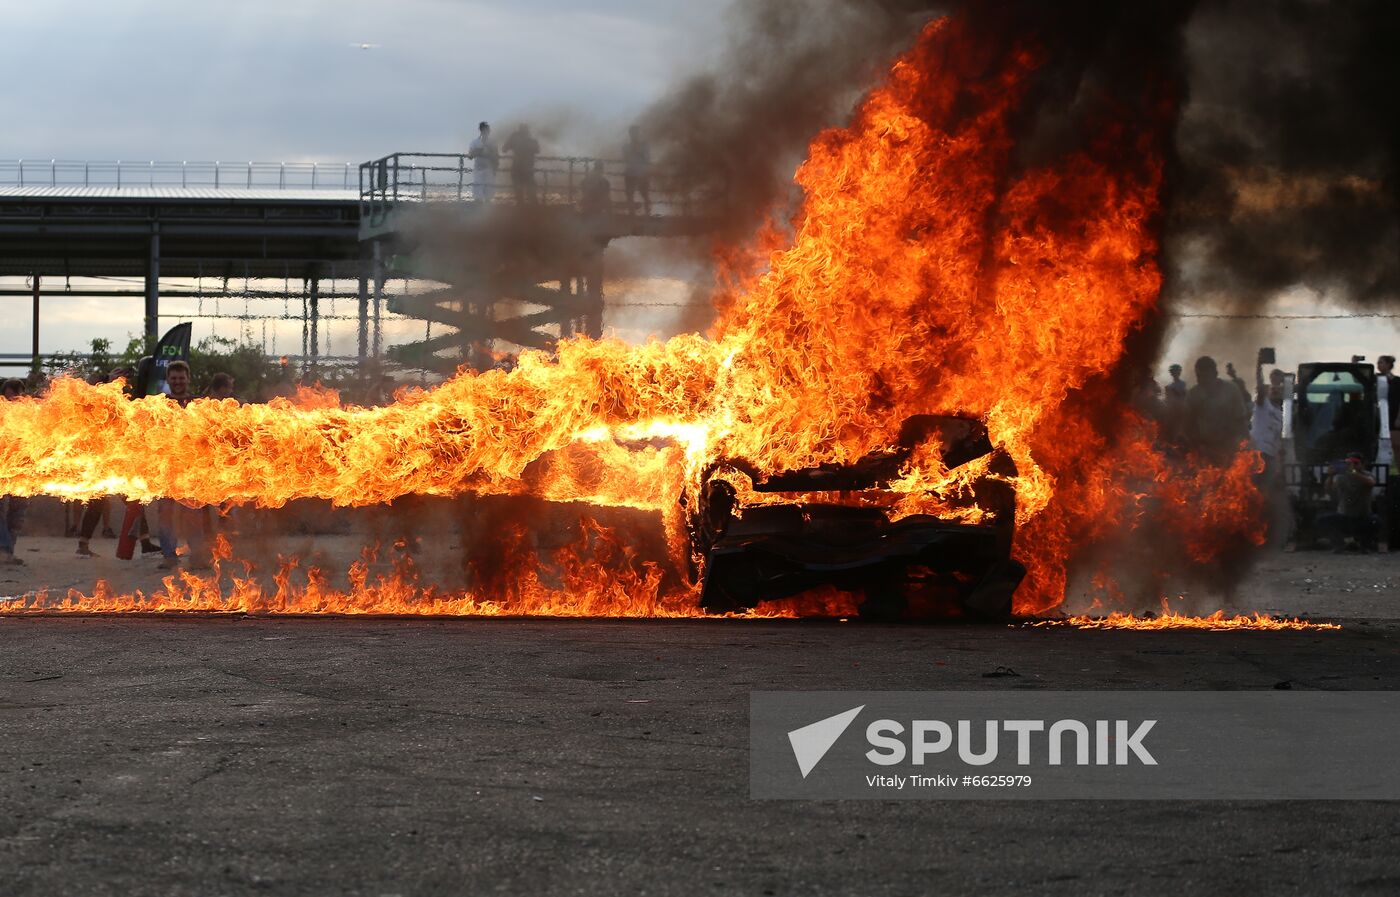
511 265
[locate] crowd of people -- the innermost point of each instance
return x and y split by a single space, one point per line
595 190
1217 416
163 525
175 521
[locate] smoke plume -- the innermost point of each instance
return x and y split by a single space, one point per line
792 67
1287 152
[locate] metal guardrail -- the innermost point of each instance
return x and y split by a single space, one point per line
218 175
558 181
26 360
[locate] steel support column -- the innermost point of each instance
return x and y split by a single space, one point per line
363 332
37 291
377 273
315 317
153 290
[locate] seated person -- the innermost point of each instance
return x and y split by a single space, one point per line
1350 485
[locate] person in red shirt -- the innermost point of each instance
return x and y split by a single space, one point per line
12 507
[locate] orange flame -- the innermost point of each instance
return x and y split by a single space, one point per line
1168 619
631 588
928 271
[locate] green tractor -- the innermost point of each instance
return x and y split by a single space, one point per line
1332 411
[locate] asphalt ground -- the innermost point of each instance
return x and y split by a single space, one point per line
202 756
1311 583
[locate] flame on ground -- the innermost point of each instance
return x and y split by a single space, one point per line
930 270
1216 622
395 588
1170 619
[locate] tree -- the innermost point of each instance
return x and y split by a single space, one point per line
99 362
251 370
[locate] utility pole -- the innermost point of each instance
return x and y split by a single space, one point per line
377 276
153 290
37 290
315 317
363 310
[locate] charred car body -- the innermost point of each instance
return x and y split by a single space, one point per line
920 564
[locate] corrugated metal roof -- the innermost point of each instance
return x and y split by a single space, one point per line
158 192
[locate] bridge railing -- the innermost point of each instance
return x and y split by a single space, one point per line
558 180
217 175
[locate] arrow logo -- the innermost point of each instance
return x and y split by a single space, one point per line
810 743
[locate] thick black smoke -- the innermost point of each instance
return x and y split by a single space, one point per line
1287 150
791 68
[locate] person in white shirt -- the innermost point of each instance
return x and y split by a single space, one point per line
487 157
1266 425
1266 437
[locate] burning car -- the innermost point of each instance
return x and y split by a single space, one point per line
828 526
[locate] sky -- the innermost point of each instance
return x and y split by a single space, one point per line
279 80
284 80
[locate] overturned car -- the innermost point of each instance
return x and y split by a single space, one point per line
917 565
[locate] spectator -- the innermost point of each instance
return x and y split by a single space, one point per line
1174 410
180 519
125 375
1216 422
93 511
1266 427
1147 395
97 510
1385 371
636 178
596 198
1177 388
177 382
133 518
77 512
220 386
1350 486
487 157
12 507
72 516
523 149
1385 368
1266 437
